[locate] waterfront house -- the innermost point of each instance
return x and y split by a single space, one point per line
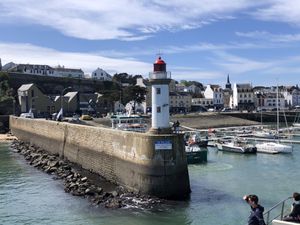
180 102
215 93
243 97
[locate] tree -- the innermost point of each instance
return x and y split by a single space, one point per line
5 90
135 94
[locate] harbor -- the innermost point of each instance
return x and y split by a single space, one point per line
217 186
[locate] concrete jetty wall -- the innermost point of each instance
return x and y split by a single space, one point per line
142 162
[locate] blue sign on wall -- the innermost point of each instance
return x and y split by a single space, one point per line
163 145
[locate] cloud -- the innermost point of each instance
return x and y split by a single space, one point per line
27 53
264 35
287 11
125 20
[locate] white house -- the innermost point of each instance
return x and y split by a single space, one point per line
215 93
119 107
292 97
243 96
61 71
141 82
100 74
139 108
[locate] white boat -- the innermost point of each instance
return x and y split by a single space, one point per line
134 123
236 146
265 134
296 124
273 148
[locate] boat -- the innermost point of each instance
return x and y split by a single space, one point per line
193 150
192 139
236 146
195 154
273 148
134 123
265 134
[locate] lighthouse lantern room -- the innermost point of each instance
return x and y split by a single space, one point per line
159 80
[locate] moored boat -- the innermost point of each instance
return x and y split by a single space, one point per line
195 154
273 148
193 150
236 146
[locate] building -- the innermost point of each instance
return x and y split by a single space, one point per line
100 74
204 102
42 70
61 71
215 93
228 84
119 107
180 102
243 97
292 96
193 89
141 82
267 101
160 80
31 98
8 66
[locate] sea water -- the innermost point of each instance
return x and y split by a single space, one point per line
29 196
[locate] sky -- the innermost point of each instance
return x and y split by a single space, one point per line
254 42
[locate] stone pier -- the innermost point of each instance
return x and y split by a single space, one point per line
146 163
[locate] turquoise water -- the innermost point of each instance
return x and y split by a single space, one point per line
29 196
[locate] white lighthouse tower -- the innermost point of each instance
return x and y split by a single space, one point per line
160 80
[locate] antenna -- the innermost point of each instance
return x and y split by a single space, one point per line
159 54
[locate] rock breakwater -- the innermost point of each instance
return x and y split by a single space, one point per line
80 182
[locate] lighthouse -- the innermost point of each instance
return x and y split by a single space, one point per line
159 80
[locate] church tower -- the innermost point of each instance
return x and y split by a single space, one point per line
228 84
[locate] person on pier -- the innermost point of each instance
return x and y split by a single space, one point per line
256 216
294 216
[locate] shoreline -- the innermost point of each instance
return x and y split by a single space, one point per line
7 137
84 183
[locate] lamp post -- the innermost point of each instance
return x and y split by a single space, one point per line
61 99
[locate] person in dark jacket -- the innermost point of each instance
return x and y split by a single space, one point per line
294 216
256 216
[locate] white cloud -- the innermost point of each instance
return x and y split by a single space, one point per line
123 19
287 11
27 53
264 35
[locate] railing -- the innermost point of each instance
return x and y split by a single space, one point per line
160 75
279 210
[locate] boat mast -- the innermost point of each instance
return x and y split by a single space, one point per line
277 110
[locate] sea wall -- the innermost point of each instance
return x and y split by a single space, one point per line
145 163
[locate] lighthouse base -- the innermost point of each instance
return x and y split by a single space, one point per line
166 130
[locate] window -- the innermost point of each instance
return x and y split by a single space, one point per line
158 109
241 95
158 91
32 93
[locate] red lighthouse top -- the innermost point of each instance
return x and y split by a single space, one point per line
159 65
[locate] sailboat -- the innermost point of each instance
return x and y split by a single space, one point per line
274 147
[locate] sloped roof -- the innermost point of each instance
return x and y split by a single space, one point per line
25 87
